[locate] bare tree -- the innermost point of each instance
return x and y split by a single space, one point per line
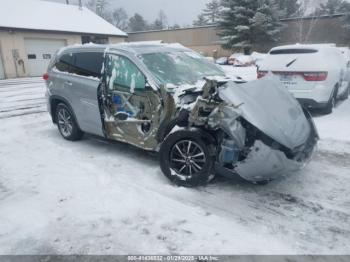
120 18
304 29
100 7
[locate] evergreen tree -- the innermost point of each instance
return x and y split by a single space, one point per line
160 23
289 8
332 7
137 23
175 26
212 12
201 21
248 22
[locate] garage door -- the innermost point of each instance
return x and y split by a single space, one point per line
39 53
2 71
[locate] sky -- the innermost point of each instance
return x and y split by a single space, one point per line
182 12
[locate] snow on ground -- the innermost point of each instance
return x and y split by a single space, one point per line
332 128
21 97
99 197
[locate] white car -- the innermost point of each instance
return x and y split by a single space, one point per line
314 74
244 61
258 58
345 51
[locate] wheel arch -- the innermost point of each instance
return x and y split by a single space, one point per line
54 102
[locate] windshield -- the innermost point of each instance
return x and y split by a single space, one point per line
179 68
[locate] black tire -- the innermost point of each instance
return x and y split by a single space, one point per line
330 105
188 168
345 96
66 123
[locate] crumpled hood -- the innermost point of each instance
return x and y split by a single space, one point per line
271 108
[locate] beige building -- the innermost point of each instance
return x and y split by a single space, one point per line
203 39
206 39
32 31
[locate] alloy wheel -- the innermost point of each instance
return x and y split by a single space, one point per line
187 158
65 122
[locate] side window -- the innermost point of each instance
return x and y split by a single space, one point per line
123 74
88 64
65 63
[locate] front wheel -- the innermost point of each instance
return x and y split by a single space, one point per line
186 160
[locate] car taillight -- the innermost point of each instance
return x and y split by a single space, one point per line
46 76
261 74
315 76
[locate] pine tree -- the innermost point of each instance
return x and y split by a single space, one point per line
137 23
289 8
212 11
160 23
332 7
248 22
201 21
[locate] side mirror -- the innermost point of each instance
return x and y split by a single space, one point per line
122 116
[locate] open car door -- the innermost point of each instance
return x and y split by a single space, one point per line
132 109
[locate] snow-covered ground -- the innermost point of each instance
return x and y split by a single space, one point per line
99 197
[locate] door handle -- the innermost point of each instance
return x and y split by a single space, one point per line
68 83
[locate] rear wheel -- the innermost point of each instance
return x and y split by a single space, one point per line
330 106
186 160
66 123
331 103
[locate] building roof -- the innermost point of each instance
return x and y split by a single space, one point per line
49 16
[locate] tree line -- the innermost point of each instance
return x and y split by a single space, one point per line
120 18
242 23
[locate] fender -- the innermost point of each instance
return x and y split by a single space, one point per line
53 105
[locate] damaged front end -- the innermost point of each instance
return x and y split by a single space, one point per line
261 131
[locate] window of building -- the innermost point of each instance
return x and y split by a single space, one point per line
31 56
47 56
85 39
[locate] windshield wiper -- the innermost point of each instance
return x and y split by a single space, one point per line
292 62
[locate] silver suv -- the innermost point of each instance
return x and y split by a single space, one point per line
167 98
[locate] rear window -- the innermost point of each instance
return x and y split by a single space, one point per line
84 63
88 64
292 51
65 63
